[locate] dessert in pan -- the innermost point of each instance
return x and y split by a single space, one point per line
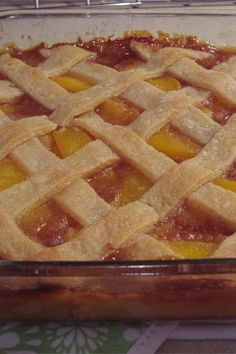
118 149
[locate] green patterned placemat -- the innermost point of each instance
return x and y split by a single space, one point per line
65 338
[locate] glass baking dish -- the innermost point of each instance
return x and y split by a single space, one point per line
183 289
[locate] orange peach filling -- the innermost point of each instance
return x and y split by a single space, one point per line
118 111
10 174
48 225
120 184
174 144
193 249
72 84
165 83
24 107
69 140
190 232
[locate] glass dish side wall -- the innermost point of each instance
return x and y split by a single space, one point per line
167 290
124 291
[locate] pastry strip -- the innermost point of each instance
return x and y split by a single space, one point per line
145 52
140 93
151 121
27 195
178 182
219 83
13 243
175 185
8 92
163 58
92 72
227 248
145 247
97 240
127 144
33 82
215 200
15 133
81 202
33 156
61 59
227 67
87 100
220 152
195 124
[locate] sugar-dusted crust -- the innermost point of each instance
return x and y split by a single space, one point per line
101 238
180 181
215 200
127 144
145 52
61 59
91 72
82 102
175 185
81 202
16 133
33 156
143 94
195 124
220 152
152 120
160 61
47 92
219 83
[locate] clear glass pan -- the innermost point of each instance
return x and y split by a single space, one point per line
118 290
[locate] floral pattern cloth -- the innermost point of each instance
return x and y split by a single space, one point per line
66 338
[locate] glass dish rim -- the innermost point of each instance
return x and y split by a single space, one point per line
180 267
168 267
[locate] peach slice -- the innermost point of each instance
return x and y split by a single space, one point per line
10 174
173 144
70 140
133 186
165 83
45 225
117 111
226 183
72 84
193 249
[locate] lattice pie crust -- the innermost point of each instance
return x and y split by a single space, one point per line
106 228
